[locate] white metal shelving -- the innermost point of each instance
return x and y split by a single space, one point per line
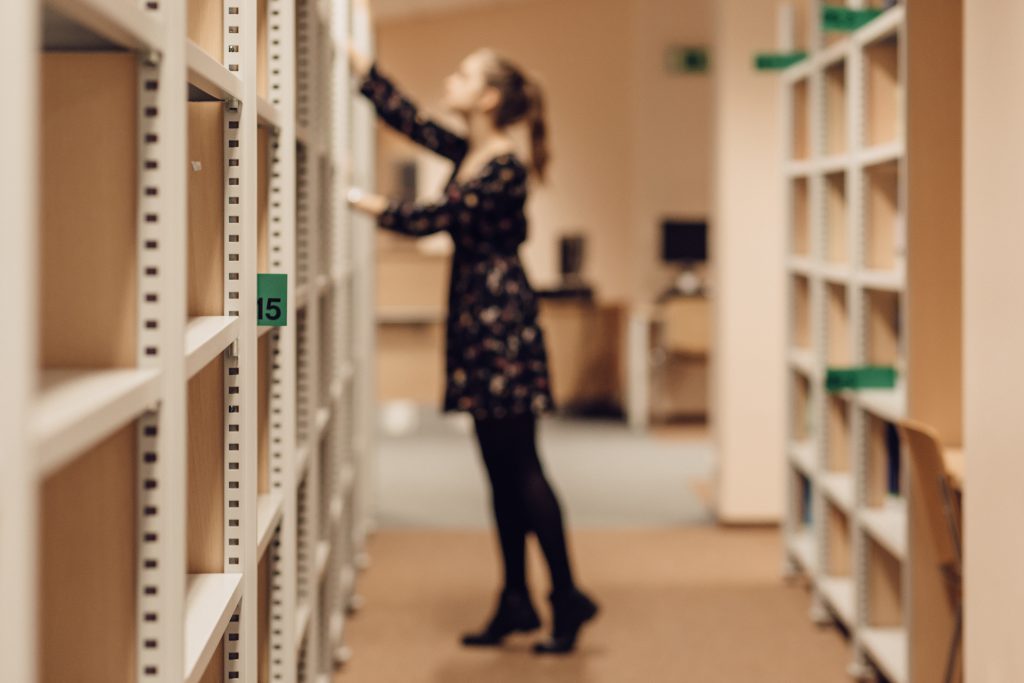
869 197
827 250
288 457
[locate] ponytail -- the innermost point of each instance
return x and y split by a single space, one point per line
521 99
538 129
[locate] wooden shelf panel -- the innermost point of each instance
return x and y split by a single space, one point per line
89 541
801 420
838 434
210 600
887 648
835 107
206 337
77 408
801 209
803 336
210 76
800 98
268 114
837 233
838 324
269 508
883 238
883 92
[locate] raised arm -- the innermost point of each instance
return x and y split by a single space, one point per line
459 209
401 114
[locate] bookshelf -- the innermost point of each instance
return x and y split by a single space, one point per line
871 283
164 516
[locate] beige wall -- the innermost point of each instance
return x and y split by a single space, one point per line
748 401
994 339
630 142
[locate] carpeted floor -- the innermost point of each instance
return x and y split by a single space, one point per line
607 476
697 604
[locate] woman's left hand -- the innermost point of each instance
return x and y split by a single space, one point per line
368 203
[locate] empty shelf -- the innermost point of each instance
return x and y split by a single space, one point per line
210 600
839 274
803 360
885 25
888 404
888 526
838 486
887 648
268 113
268 513
802 455
839 593
122 23
206 338
323 554
882 280
323 283
301 461
323 416
77 408
301 624
882 154
803 548
210 76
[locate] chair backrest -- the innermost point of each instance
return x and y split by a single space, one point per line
932 484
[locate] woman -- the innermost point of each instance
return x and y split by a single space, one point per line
496 360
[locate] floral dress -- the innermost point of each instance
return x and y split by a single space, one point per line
496 362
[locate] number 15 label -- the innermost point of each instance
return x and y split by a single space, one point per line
272 299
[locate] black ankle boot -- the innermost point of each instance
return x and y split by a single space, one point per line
515 613
572 609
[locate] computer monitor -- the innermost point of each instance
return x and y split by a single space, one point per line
684 241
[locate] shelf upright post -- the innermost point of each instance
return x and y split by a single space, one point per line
819 329
161 487
19 191
281 53
341 436
240 455
857 137
364 297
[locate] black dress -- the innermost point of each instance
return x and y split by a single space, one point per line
496 363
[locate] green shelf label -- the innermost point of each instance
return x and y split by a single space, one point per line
774 61
860 377
846 20
272 299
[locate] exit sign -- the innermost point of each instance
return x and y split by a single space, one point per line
685 59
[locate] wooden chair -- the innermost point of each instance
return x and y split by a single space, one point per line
933 485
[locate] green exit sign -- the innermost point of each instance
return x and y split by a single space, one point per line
683 59
272 299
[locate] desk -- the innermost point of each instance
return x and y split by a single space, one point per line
681 342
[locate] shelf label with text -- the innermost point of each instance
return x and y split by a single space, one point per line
272 299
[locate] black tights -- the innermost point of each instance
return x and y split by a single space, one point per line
523 499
